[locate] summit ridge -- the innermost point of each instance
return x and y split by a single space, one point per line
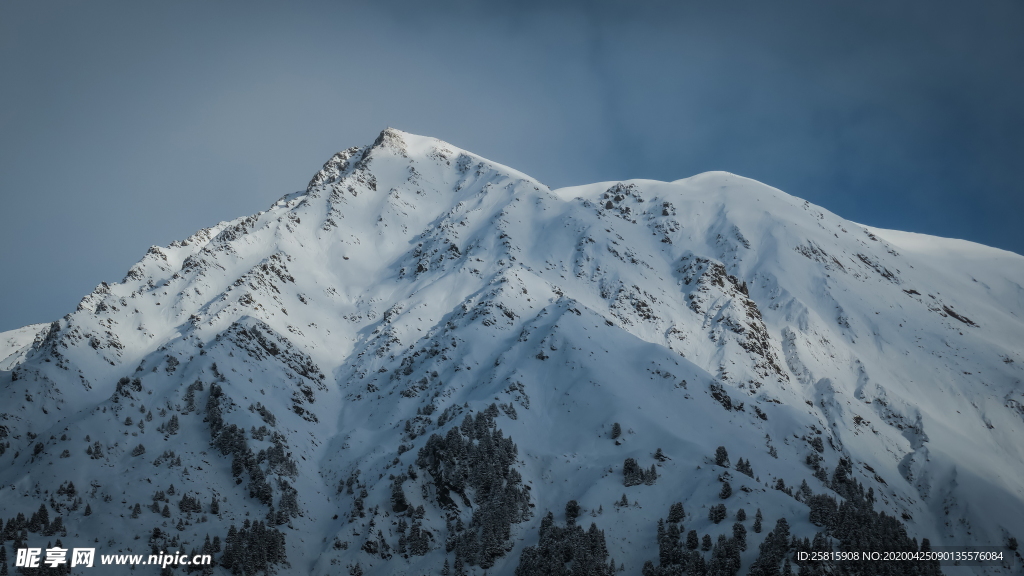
424 339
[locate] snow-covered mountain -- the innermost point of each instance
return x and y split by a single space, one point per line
414 359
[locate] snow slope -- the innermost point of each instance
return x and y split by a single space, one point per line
15 343
412 279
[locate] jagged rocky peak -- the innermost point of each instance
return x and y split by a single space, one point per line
391 139
333 167
338 380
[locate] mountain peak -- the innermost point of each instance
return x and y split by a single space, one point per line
392 139
418 306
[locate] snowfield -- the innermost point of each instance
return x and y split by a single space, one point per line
293 365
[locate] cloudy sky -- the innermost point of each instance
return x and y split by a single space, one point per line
124 125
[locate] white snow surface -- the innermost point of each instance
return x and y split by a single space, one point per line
14 344
411 273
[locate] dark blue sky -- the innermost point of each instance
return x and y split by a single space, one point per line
124 125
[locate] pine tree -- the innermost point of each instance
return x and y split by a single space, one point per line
817 444
757 521
696 566
675 512
230 548
557 545
717 513
56 527
705 543
781 532
740 534
616 430
744 467
726 491
721 457
237 467
821 474
398 502
88 510
741 515
692 540
651 476
572 511
37 521
664 554
631 473
805 491
166 512
823 509
19 540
